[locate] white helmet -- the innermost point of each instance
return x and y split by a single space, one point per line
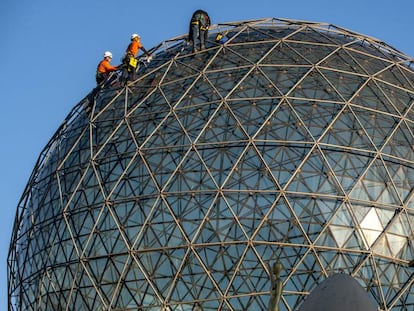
108 54
135 36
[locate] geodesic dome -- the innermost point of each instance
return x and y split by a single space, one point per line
292 141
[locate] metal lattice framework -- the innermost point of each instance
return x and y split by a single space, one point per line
292 140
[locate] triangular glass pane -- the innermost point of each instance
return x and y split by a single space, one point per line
82 300
194 282
62 252
113 274
346 235
371 96
135 182
111 169
312 213
144 120
82 224
376 186
250 208
404 298
284 125
401 143
174 92
105 238
390 245
282 159
345 84
228 58
126 297
385 216
131 216
161 230
347 166
194 117
311 35
51 206
180 68
341 60
284 78
52 295
347 131
338 262
313 53
135 288
252 114
401 225
219 160
290 257
102 271
250 173
302 280
169 133
281 226
139 91
315 86
250 275
162 163
284 54
315 176
340 235
225 81
315 116
107 118
325 238
201 93
198 61
248 54
221 261
222 127
119 141
190 210
407 252
72 181
162 267
255 85
371 227
253 33
371 65
220 225
191 175
390 276
401 99
405 67
396 235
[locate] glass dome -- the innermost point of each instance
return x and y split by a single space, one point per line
291 141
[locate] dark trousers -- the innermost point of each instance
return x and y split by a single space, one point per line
101 77
197 34
128 71
105 79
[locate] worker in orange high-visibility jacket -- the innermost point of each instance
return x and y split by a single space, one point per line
129 61
104 68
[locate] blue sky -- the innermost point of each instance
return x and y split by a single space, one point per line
50 48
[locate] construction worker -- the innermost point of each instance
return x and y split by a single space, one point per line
104 68
129 60
200 22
